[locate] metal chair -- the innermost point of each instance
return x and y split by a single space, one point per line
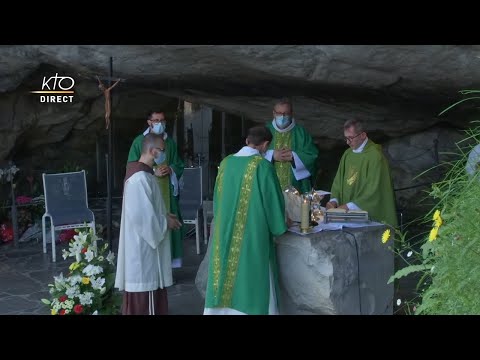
66 204
191 199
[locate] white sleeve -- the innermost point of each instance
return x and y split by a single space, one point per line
269 155
352 206
300 171
334 200
144 215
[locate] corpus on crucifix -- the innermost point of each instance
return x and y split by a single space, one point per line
106 93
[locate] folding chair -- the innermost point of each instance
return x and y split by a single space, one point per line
66 204
191 199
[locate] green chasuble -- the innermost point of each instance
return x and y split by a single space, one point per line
299 141
249 210
364 179
171 202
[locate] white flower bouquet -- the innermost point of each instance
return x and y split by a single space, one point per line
89 287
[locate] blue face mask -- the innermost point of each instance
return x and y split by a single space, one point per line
160 158
283 121
158 128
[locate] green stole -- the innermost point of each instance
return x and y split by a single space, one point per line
283 169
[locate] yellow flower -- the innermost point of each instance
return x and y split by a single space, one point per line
385 236
74 266
438 221
433 234
85 280
54 312
436 215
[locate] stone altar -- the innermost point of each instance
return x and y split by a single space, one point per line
319 272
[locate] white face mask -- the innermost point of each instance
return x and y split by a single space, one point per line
160 158
283 121
158 128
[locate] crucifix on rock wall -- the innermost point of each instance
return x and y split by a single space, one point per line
108 105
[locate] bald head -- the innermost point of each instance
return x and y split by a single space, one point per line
152 141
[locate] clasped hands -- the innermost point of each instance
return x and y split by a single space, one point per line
284 155
163 170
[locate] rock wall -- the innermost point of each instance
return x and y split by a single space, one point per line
398 90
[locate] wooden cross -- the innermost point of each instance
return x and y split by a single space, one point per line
106 93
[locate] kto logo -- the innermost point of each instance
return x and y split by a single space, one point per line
56 85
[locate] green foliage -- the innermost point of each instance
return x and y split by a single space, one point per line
455 256
463 92
449 259
407 271
37 209
70 166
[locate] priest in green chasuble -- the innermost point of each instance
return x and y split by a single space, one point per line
363 180
292 150
168 173
249 210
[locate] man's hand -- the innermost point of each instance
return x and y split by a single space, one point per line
277 155
163 171
287 155
345 207
173 223
283 155
331 205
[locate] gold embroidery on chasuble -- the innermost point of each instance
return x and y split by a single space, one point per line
283 169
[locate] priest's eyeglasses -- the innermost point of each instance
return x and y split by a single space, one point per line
350 138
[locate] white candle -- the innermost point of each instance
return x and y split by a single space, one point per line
305 215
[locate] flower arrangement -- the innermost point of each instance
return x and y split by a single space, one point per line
6 232
23 200
88 288
8 173
6 229
66 235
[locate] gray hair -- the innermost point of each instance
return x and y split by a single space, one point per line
356 124
285 101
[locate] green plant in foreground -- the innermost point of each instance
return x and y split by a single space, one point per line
448 263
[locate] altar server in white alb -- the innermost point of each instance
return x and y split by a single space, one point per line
144 268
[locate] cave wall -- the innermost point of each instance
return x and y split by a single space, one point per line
397 90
